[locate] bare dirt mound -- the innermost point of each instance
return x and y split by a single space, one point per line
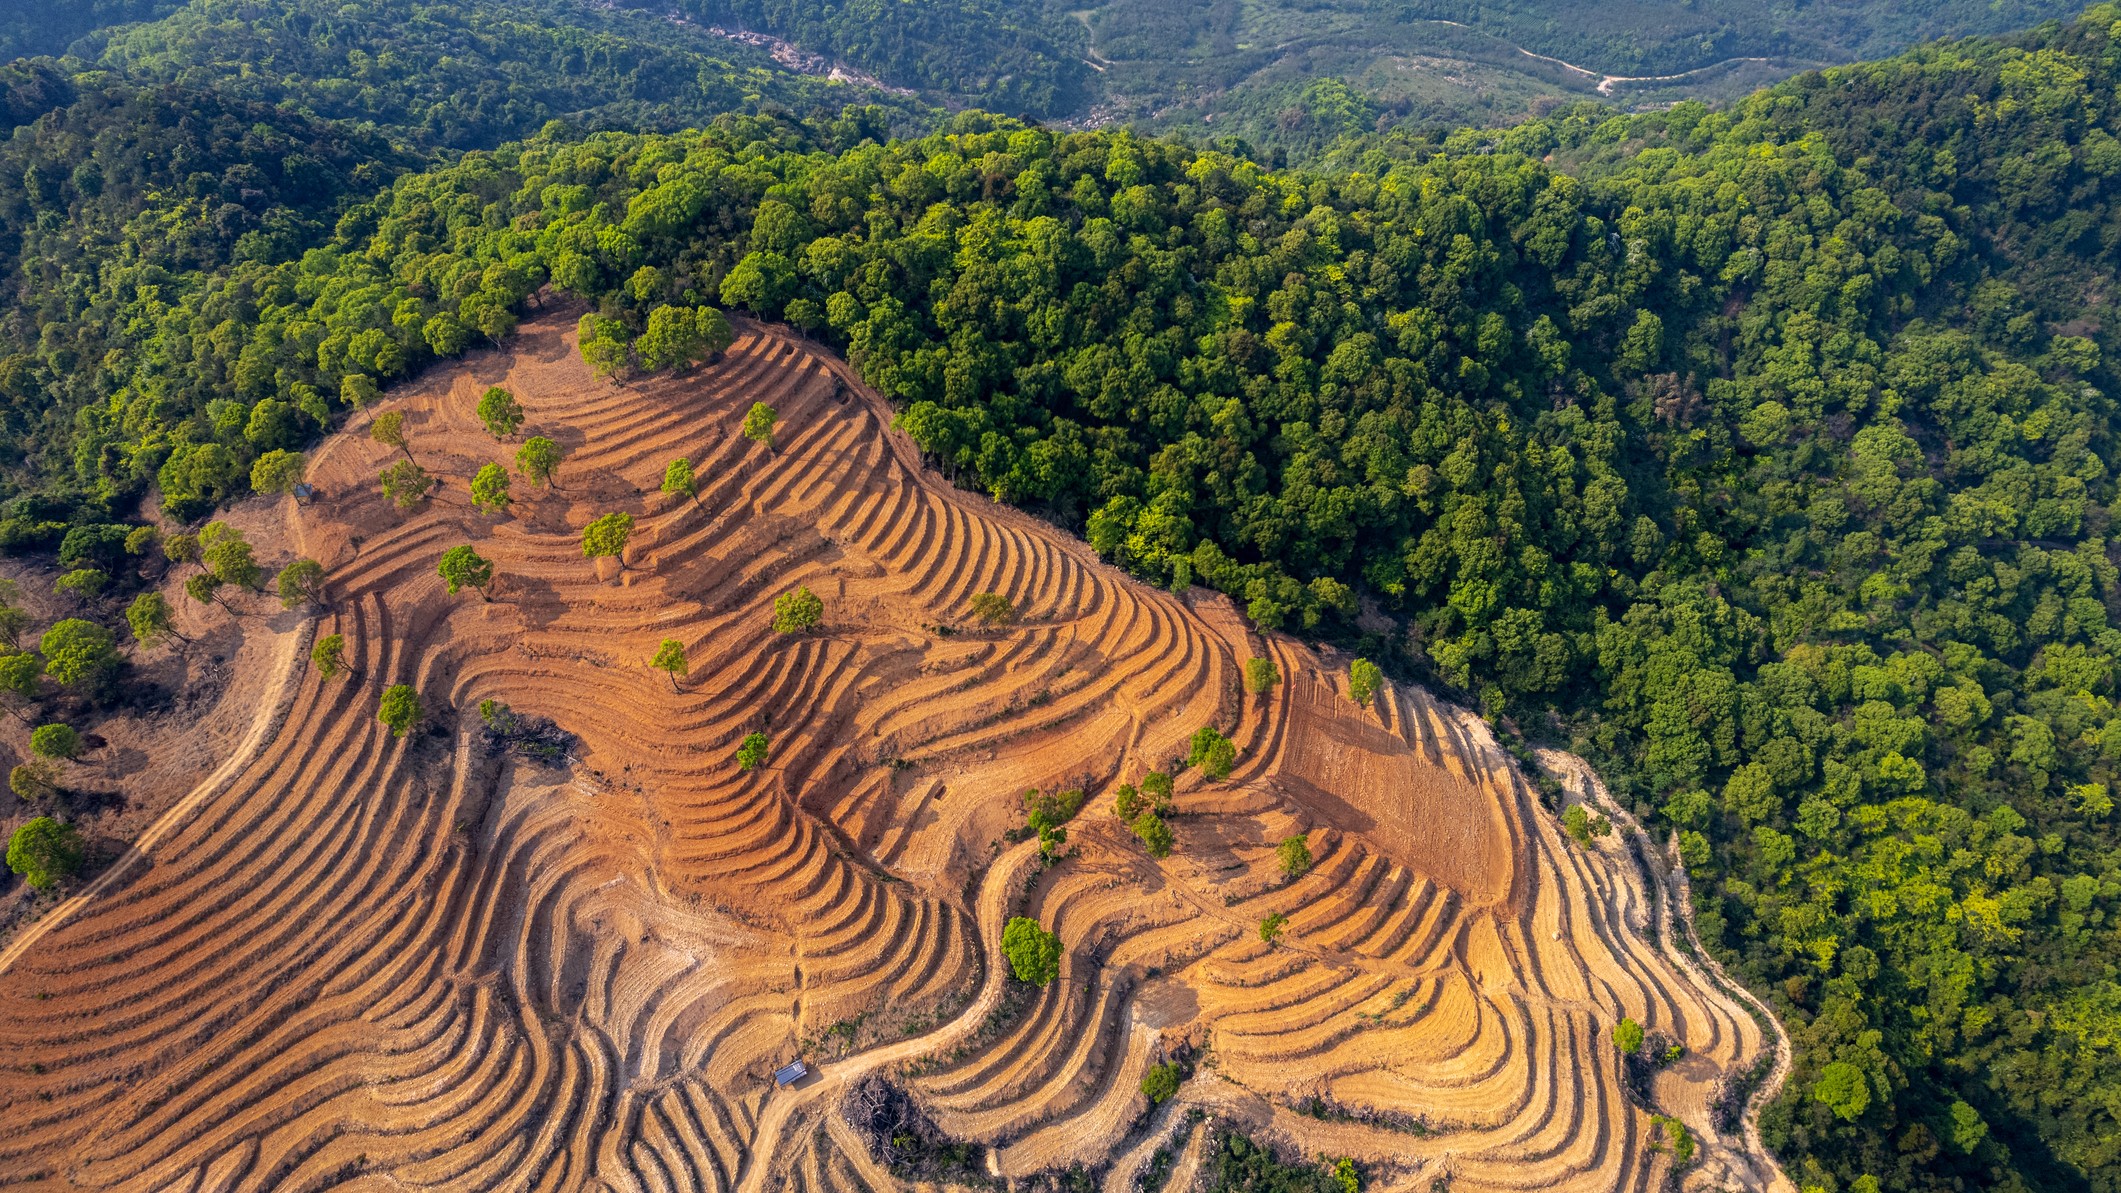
368 962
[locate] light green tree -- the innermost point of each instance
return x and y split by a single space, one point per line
45 852
489 490
277 472
606 537
797 610
79 654
752 751
1261 675
400 709
150 619
539 461
329 656
1364 679
678 480
1293 855
670 656
299 583
758 424
405 484
1033 952
463 567
56 740
500 411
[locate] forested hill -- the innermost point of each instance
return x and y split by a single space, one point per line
1764 455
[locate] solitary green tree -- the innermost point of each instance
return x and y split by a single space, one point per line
79 654
1270 928
329 656
463 567
1261 675
56 740
758 424
205 588
1214 754
388 429
500 411
19 673
797 610
539 461
1364 678
751 752
228 555
400 709
607 537
489 490
149 617
45 852
1160 1083
1293 855
670 656
1033 952
1154 833
405 484
993 608
301 582
678 481
1627 1036
277 472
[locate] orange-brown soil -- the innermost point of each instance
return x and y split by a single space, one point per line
373 963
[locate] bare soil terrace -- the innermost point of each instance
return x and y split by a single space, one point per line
369 963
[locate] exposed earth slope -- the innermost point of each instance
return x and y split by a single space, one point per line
375 963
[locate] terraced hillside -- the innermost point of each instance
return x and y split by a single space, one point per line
355 961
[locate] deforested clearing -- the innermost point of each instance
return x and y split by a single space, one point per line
372 961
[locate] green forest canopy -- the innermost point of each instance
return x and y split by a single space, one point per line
1762 455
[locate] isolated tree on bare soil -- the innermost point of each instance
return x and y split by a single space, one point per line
1213 753
400 709
329 656
388 429
464 567
993 608
539 461
501 413
758 424
797 610
1364 678
277 472
406 484
677 479
301 582
1270 928
1293 855
149 617
1627 1036
1160 1084
489 490
205 589
670 656
751 752
57 740
45 852
1033 952
1261 675
228 556
606 537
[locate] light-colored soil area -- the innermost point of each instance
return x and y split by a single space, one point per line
371 963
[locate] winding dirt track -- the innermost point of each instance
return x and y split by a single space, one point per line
370 963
